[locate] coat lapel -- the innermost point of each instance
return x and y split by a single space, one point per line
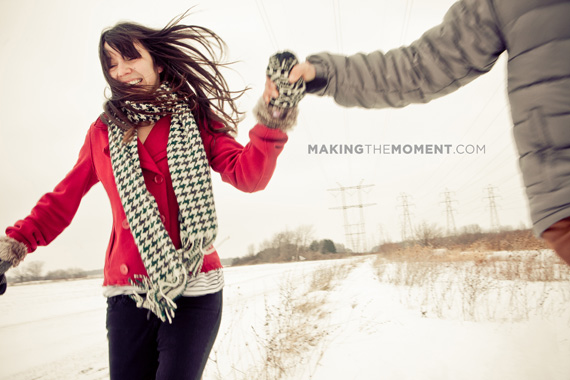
146 159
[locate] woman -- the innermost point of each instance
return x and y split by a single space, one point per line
169 119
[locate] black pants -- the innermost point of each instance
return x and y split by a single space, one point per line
142 347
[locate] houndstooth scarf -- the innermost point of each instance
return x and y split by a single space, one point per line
168 268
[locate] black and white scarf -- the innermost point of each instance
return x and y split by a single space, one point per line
168 268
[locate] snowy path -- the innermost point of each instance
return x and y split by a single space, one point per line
370 330
374 336
56 331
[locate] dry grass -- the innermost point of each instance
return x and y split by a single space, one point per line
327 277
478 285
292 326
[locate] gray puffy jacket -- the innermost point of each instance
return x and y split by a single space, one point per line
536 35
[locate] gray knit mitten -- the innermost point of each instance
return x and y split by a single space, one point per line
12 252
4 266
278 69
281 112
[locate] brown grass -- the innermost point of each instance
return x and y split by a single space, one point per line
292 326
483 285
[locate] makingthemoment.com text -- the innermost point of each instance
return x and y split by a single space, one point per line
395 149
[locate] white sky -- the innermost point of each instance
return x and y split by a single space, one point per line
52 90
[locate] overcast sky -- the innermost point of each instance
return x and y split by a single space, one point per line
53 89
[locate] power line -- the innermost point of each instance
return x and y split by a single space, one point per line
357 239
493 208
407 229
407 15
475 123
451 230
267 24
338 31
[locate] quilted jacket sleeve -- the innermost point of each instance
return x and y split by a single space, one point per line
55 210
465 45
248 168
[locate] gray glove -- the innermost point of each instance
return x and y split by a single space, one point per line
11 253
278 69
4 266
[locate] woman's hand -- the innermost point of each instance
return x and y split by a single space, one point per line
270 91
12 252
303 70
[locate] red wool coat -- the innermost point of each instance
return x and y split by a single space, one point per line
247 168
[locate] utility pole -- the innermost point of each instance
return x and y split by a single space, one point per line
451 230
357 239
407 229
493 209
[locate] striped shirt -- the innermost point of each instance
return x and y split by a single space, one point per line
204 283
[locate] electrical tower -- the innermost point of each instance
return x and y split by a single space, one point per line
355 234
407 229
451 230
381 235
493 209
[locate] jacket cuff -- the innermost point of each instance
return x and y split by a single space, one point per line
11 250
275 117
319 84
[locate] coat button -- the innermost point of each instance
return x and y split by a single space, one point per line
162 218
124 269
158 179
125 224
106 151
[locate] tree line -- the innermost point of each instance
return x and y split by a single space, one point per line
299 244
291 245
470 237
33 271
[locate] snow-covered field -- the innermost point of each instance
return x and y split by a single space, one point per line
279 321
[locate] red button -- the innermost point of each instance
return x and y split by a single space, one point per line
162 218
106 151
158 178
124 269
125 224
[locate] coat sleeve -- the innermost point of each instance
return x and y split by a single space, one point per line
55 210
248 168
465 45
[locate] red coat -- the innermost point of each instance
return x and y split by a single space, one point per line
247 168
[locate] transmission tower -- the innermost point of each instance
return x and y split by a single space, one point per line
381 235
407 229
493 208
451 230
355 234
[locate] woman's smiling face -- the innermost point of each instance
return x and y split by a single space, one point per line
133 71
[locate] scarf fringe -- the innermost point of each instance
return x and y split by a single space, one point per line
157 296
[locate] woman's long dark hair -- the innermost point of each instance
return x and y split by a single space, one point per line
187 54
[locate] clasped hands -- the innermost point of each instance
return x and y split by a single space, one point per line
304 70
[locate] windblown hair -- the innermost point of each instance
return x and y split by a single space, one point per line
187 54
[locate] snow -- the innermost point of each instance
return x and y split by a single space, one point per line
362 327
379 338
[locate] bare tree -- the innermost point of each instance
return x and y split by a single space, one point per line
302 237
32 271
64 274
427 233
16 275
